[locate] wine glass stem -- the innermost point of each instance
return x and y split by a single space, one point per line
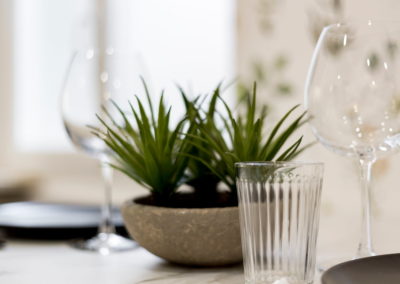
106 225
365 245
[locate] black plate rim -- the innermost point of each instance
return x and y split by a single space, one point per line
52 231
65 206
363 259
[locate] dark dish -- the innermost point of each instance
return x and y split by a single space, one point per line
51 221
370 270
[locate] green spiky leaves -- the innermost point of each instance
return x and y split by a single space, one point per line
242 138
146 150
202 148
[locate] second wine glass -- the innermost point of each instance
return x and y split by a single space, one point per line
94 81
353 99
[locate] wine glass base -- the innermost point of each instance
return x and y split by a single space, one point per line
105 243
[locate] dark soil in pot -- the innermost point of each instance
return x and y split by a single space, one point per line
191 200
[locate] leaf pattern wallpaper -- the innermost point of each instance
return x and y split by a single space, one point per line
275 41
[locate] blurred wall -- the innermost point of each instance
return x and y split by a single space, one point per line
5 78
275 42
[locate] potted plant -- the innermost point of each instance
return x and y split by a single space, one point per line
198 227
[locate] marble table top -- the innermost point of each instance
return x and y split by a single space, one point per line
56 262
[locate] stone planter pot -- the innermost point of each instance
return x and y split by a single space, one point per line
199 237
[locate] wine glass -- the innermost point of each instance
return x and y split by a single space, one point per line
94 81
352 96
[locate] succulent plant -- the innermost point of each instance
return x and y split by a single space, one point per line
241 138
201 149
146 149
200 177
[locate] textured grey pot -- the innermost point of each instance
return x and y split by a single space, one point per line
200 237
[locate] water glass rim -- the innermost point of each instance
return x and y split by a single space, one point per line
276 163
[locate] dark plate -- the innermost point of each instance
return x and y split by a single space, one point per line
383 269
49 221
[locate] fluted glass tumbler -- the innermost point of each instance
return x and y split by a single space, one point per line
279 217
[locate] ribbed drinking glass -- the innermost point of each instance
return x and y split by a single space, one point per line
279 216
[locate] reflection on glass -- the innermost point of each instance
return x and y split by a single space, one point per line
352 96
94 81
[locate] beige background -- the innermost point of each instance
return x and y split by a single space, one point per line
268 29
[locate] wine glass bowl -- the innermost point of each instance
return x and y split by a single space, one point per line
352 96
95 81
92 84
352 91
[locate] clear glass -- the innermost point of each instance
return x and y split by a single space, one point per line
279 217
95 80
353 100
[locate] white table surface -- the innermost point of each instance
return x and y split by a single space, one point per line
55 262
45 262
